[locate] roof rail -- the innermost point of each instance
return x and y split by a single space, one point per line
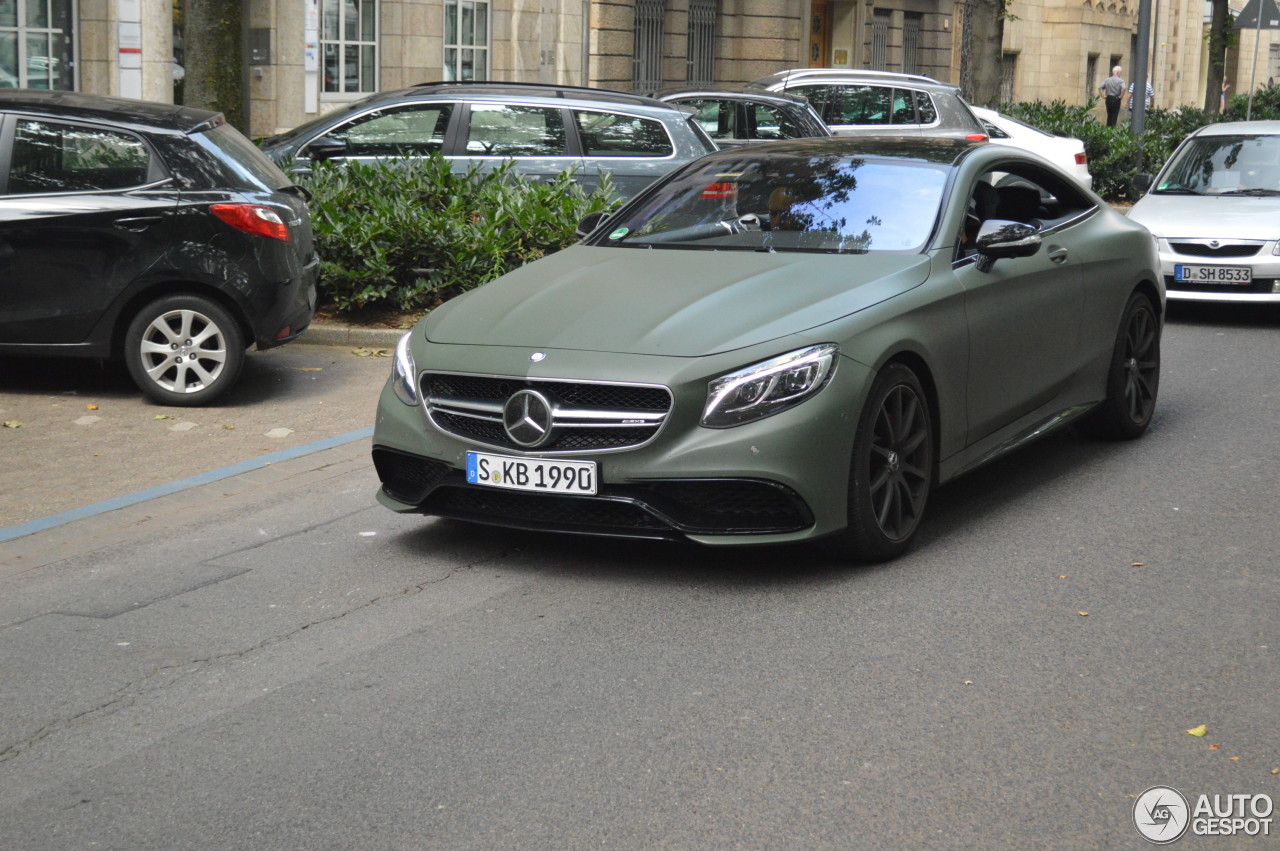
801 73
556 88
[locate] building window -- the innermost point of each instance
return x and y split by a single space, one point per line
702 41
35 44
648 48
1273 61
1091 78
1008 73
880 39
911 24
349 45
466 40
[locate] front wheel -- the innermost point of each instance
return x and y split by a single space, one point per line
891 472
184 350
1133 376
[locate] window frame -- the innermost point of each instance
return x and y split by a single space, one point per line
55 37
453 40
342 43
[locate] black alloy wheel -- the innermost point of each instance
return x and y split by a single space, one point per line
1133 378
891 472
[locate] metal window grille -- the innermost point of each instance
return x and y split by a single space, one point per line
349 45
880 39
466 40
1091 77
1273 61
647 75
35 44
911 24
1008 73
702 41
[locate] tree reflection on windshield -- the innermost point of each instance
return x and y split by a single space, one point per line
791 202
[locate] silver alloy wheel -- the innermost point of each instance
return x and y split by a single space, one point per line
183 351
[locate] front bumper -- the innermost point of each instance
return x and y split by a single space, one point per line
1265 266
780 479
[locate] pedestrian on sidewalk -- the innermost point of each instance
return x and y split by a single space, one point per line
1151 94
1112 88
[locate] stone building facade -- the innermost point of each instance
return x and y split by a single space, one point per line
303 57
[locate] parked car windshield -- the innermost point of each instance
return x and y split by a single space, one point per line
788 202
1224 165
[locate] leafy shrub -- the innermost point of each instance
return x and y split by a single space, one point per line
1113 151
410 234
1266 105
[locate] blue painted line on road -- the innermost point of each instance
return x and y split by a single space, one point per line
75 514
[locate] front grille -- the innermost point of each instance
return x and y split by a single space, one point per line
585 416
1201 249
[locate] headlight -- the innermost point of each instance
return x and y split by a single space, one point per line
768 387
403 373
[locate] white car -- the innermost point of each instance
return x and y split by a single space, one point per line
1067 154
1213 210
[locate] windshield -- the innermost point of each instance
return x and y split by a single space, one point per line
832 203
1224 165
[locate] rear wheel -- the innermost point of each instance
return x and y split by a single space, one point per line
184 350
891 472
1133 377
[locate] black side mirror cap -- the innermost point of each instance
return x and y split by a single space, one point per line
589 223
999 239
325 148
1142 182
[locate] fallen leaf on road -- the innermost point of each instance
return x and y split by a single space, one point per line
310 369
1083 614
91 407
1213 747
1138 564
12 424
164 416
1275 771
1235 759
1198 732
229 427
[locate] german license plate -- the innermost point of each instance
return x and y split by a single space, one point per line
531 474
1212 274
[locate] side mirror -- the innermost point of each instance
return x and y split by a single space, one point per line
999 239
589 223
1142 182
325 147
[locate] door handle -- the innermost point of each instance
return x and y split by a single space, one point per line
137 223
1058 255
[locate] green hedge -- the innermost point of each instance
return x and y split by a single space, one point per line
1113 151
410 234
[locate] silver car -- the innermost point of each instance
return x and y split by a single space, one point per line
1215 212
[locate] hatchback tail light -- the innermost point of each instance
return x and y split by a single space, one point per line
253 218
976 137
1082 158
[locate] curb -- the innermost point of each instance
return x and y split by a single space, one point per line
325 334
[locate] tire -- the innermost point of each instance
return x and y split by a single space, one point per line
184 350
1133 376
891 472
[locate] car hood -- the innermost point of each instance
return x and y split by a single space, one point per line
683 303
1206 217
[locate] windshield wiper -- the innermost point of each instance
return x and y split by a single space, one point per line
1178 189
1256 192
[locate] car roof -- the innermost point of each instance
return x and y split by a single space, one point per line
1236 128
932 149
138 113
836 74
733 93
504 89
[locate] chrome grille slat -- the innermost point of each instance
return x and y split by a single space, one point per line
471 406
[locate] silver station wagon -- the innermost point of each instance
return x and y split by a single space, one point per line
544 130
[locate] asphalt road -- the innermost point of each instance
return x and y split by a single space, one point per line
274 661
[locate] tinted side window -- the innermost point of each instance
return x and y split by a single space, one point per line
904 110
769 122
924 106
49 157
407 131
606 134
864 105
819 98
714 116
504 130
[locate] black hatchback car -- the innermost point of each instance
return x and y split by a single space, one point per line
151 233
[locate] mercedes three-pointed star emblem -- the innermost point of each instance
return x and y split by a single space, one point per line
527 418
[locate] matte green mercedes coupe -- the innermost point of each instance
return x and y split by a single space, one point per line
789 342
